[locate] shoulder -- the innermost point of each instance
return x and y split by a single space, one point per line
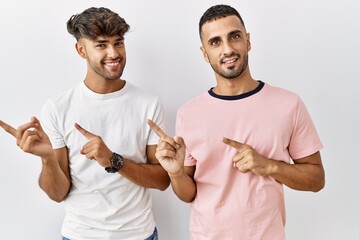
62 98
140 98
196 102
279 91
280 94
134 90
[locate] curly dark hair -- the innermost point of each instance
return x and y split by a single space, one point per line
216 12
94 22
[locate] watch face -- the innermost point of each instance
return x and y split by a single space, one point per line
117 161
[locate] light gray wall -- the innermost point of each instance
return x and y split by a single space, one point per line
309 47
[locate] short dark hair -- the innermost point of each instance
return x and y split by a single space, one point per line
216 12
94 22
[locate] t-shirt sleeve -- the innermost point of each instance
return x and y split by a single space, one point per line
189 160
304 139
157 116
49 122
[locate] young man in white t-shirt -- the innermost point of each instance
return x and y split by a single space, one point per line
97 151
240 137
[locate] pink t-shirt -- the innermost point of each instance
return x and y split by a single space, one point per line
229 204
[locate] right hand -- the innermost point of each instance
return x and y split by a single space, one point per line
170 151
95 148
31 138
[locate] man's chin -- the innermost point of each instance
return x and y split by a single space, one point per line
114 76
230 74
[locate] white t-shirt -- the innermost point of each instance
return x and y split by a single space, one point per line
102 205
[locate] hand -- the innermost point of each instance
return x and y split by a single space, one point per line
170 151
247 159
96 148
31 138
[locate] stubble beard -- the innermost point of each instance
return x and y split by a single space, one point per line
232 72
100 70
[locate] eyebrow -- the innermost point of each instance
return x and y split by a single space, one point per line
235 32
105 40
229 34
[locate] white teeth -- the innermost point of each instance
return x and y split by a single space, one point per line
112 63
230 61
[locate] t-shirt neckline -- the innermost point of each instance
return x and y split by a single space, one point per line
240 96
106 95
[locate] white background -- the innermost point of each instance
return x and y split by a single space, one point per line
309 47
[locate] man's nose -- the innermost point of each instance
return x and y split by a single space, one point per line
112 52
228 49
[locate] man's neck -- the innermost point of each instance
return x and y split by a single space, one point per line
104 86
234 87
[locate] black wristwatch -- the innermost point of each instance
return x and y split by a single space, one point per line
117 162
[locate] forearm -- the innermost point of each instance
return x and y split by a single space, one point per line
53 181
300 176
183 186
145 175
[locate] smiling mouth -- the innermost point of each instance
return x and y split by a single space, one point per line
112 64
230 61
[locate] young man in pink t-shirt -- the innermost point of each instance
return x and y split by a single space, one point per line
240 137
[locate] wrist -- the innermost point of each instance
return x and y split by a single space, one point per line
273 167
48 159
180 173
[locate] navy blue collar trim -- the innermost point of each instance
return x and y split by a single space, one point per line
237 97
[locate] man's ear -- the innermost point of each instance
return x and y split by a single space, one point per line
204 54
80 49
248 42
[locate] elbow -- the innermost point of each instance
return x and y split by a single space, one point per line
56 198
164 186
319 186
187 200
54 195
166 183
320 183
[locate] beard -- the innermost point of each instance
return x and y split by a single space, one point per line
106 74
231 72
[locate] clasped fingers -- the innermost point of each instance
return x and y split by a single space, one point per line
165 150
169 141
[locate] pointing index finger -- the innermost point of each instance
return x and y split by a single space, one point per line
232 143
8 128
85 132
156 128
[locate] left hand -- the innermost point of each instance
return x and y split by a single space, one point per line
247 159
170 151
96 148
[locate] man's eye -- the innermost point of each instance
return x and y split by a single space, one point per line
214 43
236 36
100 45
